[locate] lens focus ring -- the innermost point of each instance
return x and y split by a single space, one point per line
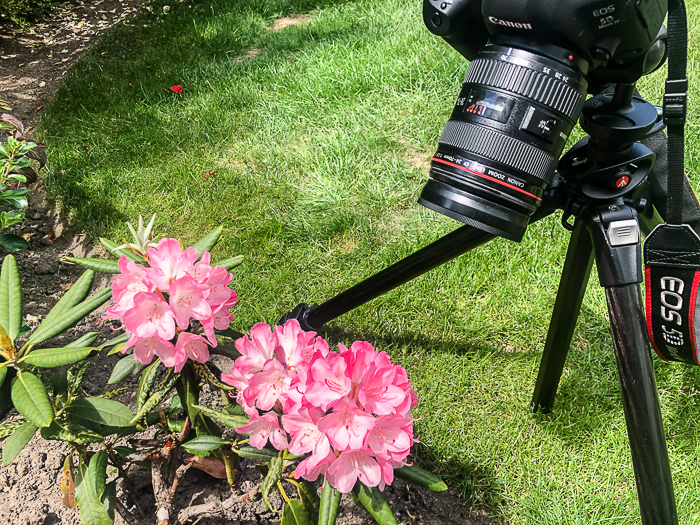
527 82
498 147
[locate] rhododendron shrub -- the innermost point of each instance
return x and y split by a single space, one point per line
350 411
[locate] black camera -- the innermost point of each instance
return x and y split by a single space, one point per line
532 65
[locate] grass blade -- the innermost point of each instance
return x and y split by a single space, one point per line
30 399
10 297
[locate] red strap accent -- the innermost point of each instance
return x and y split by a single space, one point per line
691 316
647 287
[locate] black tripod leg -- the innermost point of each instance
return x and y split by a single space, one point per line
620 272
572 289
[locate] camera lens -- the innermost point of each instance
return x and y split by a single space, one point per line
500 148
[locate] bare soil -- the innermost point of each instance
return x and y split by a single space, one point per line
32 65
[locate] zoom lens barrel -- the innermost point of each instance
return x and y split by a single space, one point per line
500 148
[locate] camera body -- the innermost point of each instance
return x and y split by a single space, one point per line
532 64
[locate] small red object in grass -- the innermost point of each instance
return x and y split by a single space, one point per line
177 89
210 173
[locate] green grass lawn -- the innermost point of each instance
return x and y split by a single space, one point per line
316 139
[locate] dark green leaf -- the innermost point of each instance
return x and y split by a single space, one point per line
75 294
255 454
175 425
374 502
69 318
126 365
203 444
97 265
208 241
101 410
295 514
228 421
309 498
11 217
273 476
420 477
227 349
109 499
30 399
13 243
10 297
158 395
330 502
75 376
148 377
229 332
235 410
175 405
3 374
230 263
121 338
71 432
90 484
52 357
60 383
113 248
17 441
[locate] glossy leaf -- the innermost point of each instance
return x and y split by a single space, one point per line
420 477
158 395
203 444
97 265
69 318
10 297
126 366
225 419
114 249
30 399
52 357
17 441
101 410
329 505
295 514
175 405
148 377
208 241
255 454
12 243
75 294
90 487
71 432
274 474
231 263
309 498
374 502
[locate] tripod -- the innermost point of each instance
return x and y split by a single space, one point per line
602 183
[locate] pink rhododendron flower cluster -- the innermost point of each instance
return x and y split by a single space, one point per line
351 411
158 303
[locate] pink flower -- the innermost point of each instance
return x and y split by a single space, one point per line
291 339
257 350
306 437
193 346
125 286
378 394
388 438
145 348
262 428
169 262
219 292
330 381
150 316
348 426
352 465
188 300
311 469
269 386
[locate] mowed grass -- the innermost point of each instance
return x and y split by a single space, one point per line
316 139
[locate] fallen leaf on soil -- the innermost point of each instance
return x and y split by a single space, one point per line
211 466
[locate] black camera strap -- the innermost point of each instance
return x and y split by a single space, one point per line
672 250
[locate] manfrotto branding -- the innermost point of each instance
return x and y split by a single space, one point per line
508 23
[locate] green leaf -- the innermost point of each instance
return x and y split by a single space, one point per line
373 502
85 340
10 297
30 399
158 395
3 374
295 514
7 429
17 441
69 318
224 419
126 365
330 502
205 373
71 433
208 241
203 444
123 338
255 454
90 484
11 217
235 410
95 264
230 263
309 498
273 476
420 477
114 249
12 243
148 377
175 405
52 357
101 410
59 381
75 294
175 425
75 376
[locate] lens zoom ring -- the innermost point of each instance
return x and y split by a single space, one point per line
500 148
526 82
